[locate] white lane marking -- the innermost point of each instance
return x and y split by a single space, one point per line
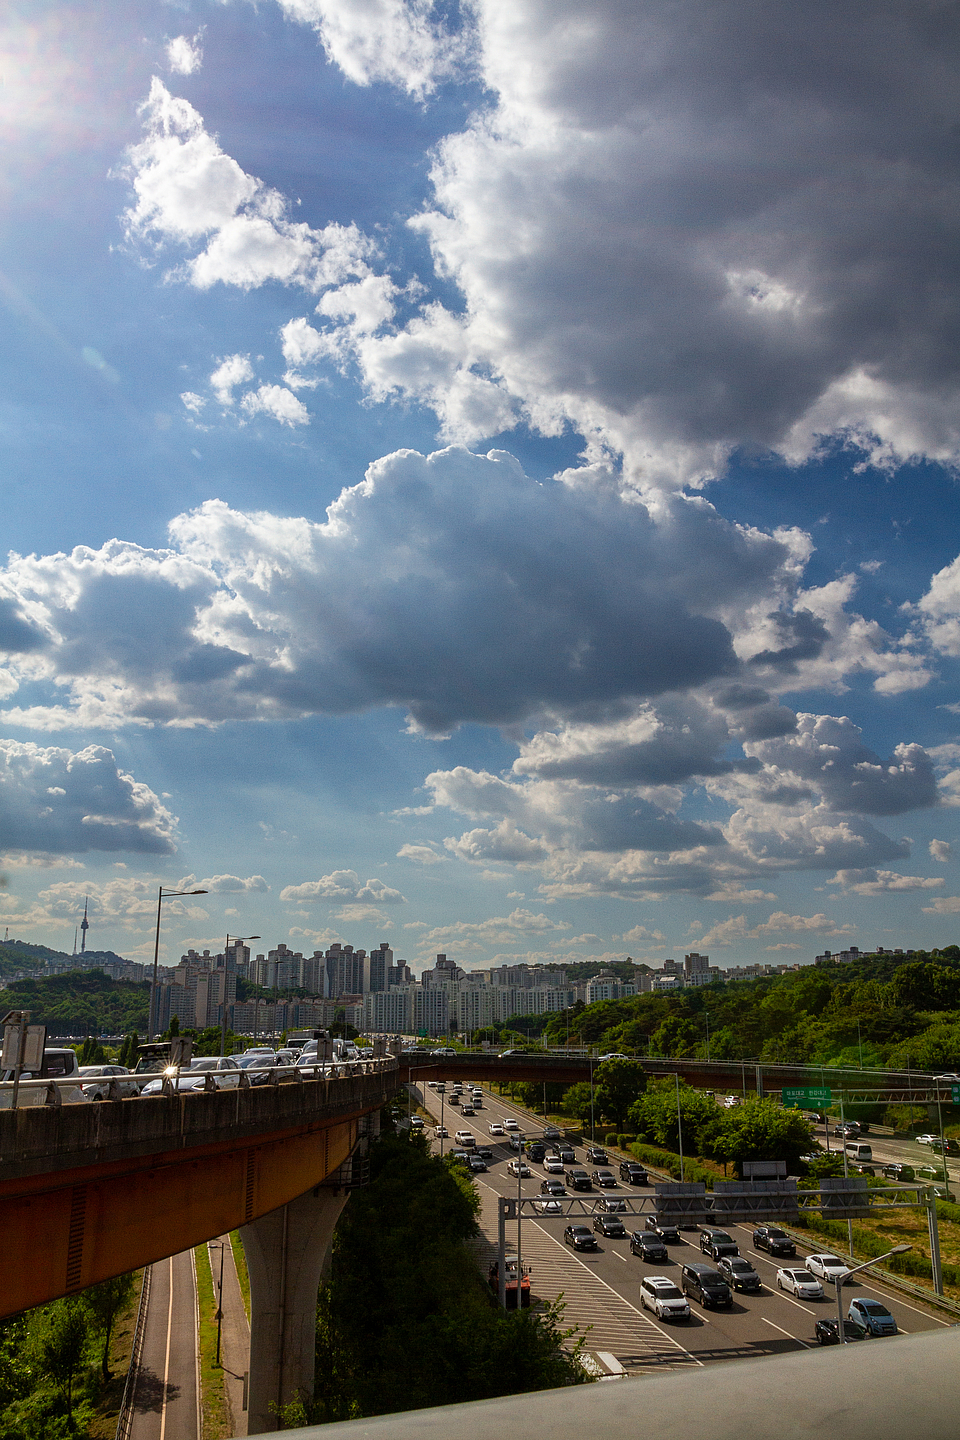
619 1256
790 1301
785 1332
166 1362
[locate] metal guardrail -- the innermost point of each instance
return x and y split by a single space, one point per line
125 1418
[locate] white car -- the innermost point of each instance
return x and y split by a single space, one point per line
926 1139
829 1268
222 1070
465 1138
97 1080
495 1128
661 1295
442 1132
519 1168
729 1102
613 1055
800 1283
509 1123
553 1164
548 1207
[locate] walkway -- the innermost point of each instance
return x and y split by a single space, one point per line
166 1398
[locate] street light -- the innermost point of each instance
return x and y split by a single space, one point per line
163 894
706 1016
897 1250
220 1294
237 940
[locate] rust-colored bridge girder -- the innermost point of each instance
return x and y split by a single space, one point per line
92 1191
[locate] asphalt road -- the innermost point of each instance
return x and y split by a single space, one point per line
166 1403
601 1290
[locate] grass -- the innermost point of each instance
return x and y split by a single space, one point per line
215 1412
240 1260
103 1425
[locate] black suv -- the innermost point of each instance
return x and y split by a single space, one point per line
717 1242
597 1155
632 1172
611 1226
899 1172
739 1274
536 1151
552 1186
666 1229
648 1246
706 1285
774 1240
578 1180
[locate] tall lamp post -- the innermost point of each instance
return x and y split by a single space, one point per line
162 894
897 1250
237 940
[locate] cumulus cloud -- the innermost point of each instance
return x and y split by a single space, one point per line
278 401
736 927
421 854
342 885
941 850
881 882
226 884
55 800
467 936
946 905
185 53
400 41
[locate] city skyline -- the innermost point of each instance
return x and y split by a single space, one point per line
480 480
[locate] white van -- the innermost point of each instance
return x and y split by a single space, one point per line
857 1150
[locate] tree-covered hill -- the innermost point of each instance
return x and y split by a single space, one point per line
80 1002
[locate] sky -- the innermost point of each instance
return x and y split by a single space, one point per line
482 478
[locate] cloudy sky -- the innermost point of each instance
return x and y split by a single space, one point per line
483 478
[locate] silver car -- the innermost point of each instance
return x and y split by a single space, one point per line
97 1080
223 1069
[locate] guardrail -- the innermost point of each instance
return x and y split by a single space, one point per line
125 1418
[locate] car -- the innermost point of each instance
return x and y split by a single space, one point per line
579 1237
518 1141
495 1128
605 1179
827 1331
597 1155
416 1122
553 1164
729 1102
536 1151
950 1076
666 1229
552 1187
465 1138
442 1133
849 1129
97 1081
477 1165
611 1226
485 1152
648 1246
738 1273
467 1110
871 1317
477 1102
509 1123
717 1242
222 1071
612 1055
663 1298
800 1283
548 1207
925 1139
610 1206
519 1168
453 1100
550 1132
633 1172
441 1087
774 1240
946 1146
899 1172
568 1155
578 1180
706 1285
828 1268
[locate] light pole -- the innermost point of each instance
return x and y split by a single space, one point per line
706 1016
162 894
897 1250
237 940
593 1132
220 1298
676 1077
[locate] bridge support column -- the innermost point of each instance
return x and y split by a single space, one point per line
286 1253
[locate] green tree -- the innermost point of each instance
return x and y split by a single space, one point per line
618 1084
762 1130
61 1344
577 1101
104 1303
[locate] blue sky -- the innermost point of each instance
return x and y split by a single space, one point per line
482 478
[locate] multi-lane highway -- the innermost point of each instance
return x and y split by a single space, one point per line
601 1289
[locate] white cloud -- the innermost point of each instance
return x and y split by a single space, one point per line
640 933
421 854
277 401
941 850
55 800
946 905
363 915
399 41
226 884
185 53
736 928
192 401
232 371
342 885
470 936
881 882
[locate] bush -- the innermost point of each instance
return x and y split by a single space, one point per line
611 1138
666 1160
867 1243
625 1141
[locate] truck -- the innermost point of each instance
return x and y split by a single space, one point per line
58 1064
512 1269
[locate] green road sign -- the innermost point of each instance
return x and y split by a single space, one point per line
810 1098
956 1094
422 1034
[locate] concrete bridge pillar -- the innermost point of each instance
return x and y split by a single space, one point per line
286 1252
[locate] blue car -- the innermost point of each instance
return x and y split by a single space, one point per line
870 1316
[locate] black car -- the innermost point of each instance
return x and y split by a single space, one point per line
949 1147
648 1246
717 1242
774 1240
706 1285
849 1130
536 1151
579 1237
666 1229
611 1226
738 1273
485 1152
578 1180
597 1155
827 1333
899 1172
552 1187
632 1172
604 1179
476 1164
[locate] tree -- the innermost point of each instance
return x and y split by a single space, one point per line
104 1303
762 1130
62 1343
577 1101
619 1084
